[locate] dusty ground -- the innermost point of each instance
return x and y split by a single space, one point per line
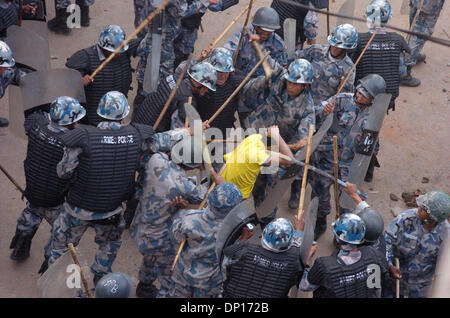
414 139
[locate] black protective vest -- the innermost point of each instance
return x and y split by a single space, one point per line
8 17
346 281
107 165
263 274
45 151
148 111
192 21
382 57
208 104
116 76
286 11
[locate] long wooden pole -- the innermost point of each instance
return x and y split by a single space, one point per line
132 36
20 12
241 37
336 175
202 204
267 69
354 66
305 173
328 18
11 179
237 89
77 262
173 92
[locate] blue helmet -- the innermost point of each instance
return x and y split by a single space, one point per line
349 228
300 71
436 204
114 285
111 38
277 235
222 60
379 10
66 110
114 106
224 198
205 74
6 55
344 36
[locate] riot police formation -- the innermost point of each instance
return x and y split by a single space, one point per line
197 229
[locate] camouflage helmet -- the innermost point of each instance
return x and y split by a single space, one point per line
371 85
114 285
267 19
205 74
114 106
436 204
222 60
349 228
300 71
188 152
277 235
6 55
344 36
66 110
374 224
111 38
379 10
224 198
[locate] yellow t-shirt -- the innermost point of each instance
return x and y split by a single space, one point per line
245 162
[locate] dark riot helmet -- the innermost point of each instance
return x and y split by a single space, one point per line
374 224
371 85
114 285
267 19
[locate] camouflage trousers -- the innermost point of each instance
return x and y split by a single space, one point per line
185 42
108 236
155 267
139 17
180 291
425 24
158 254
170 33
31 217
62 4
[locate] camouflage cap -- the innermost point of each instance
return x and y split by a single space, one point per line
277 235
222 60
300 71
205 74
224 198
344 36
6 55
114 106
66 110
435 203
111 38
349 228
379 11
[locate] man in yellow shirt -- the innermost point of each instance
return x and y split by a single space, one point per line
246 161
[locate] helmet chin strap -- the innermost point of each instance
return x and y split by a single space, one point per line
361 104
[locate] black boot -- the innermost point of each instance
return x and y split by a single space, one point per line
130 210
295 194
59 23
84 13
4 122
44 266
421 57
146 290
21 244
409 80
373 163
321 227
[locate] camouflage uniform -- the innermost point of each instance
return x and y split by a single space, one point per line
73 221
311 25
171 30
417 249
197 273
62 4
273 106
328 71
247 57
162 182
425 24
345 114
